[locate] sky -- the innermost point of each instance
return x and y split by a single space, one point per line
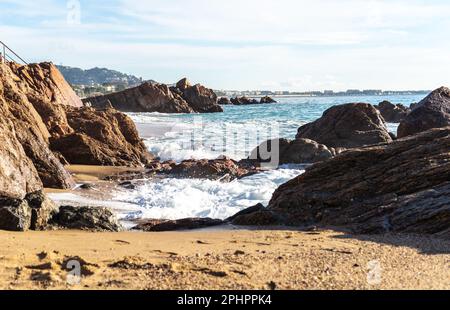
292 45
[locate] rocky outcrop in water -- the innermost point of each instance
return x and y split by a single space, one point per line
243 101
298 151
267 99
154 97
347 126
224 101
431 112
402 186
393 113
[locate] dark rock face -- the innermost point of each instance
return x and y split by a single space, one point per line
32 212
401 187
154 97
267 99
105 137
393 113
431 112
224 101
299 151
347 126
183 224
87 218
243 101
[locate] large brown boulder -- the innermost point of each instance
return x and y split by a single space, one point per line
431 112
107 138
347 126
393 113
148 97
402 186
243 101
298 151
18 92
154 97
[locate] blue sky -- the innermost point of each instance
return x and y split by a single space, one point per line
242 44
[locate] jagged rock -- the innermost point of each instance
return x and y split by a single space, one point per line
299 151
400 187
32 212
18 92
182 224
393 113
201 99
224 101
148 97
154 97
431 112
42 210
347 126
87 218
224 169
15 215
243 101
267 99
183 84
105 137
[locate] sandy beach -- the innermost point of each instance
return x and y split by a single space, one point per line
223 259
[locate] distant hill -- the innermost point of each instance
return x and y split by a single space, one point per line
98 76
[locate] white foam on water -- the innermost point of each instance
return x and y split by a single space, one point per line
181 198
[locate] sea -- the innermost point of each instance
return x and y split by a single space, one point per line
234 133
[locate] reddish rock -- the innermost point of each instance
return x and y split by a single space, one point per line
224 101
267 99
154 97
401 187
431 112
243 101
347 126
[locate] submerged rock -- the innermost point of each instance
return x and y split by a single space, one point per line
154 97
393 113
87 218
347 126
182 224
431 112
400 187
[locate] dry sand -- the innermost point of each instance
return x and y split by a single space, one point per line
227 259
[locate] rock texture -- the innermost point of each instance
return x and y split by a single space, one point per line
393 113
243 101
154 97
224 101
400 187
267 99
298 151
431 112
24 90
106 137
182 224
87 218
347 126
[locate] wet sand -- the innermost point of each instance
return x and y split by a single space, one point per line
229 259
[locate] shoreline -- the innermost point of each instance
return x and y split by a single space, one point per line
233 259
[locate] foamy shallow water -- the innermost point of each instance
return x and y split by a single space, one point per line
180 198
